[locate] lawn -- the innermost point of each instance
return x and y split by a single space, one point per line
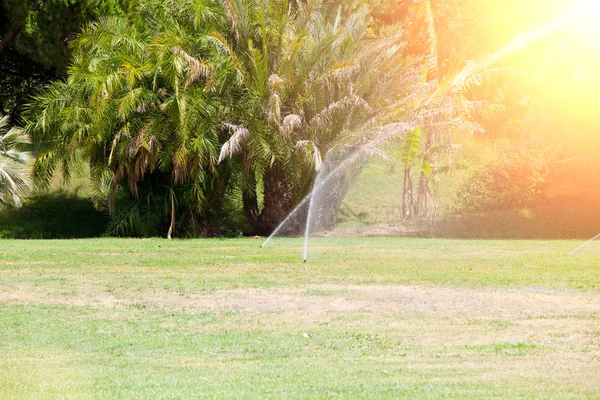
364 318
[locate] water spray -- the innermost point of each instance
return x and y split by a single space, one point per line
511 47
387 132
310 216
583 245
307 198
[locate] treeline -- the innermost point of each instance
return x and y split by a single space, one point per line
198 116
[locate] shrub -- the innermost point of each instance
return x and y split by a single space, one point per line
514 179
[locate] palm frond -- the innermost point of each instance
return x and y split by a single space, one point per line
290 123
309 145
15 164
235 143
196 68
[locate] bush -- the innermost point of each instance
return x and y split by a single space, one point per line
59 215
511 180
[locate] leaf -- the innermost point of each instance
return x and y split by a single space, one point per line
426 168
316 153
424 75
234 145
411 146
290 123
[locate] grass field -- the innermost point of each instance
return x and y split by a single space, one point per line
364 318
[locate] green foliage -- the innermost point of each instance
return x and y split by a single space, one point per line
410 148
46 26
512 179
59 215
34 47
315 82
15 164
181 96
134 219
141 105
20 77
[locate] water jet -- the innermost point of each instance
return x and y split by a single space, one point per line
414 118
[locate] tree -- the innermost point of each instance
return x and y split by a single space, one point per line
41 29
307 80
15 166
141 105
442 112
34 39
20 78
170 104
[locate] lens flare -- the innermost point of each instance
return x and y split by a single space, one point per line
590 6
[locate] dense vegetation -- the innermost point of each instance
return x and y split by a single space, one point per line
198 117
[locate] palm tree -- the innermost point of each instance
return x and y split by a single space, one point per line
307 81
141 104
173 102
15 165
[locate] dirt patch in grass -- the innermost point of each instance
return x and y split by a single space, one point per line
18 263
238 300
429 316
408 300
443 334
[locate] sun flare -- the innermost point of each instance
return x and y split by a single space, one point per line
592 6
558 42
587 19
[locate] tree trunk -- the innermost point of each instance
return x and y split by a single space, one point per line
250 198
331 196
277 199
172 227
9 36
423 192
407 194
251 210
111 197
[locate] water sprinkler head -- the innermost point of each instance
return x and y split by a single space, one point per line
305 260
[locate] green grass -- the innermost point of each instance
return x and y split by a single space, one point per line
364 318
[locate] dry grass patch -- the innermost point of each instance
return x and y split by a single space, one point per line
378 319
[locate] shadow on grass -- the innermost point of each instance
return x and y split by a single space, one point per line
552 222
59 215
547 222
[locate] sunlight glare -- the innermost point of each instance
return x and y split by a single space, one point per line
590 6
